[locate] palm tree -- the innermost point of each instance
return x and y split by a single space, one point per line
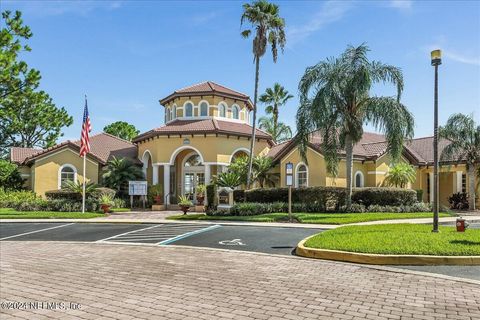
335 100
77 187
268 27
119 171
261 169
400 175
464 136
279 131
228 179
275 97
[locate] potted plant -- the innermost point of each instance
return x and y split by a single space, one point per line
184 204
106 202
200 190
155 193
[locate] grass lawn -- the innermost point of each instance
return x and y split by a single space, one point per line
6 213
320 218
399 239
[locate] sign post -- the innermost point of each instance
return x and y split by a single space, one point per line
137 188
289 183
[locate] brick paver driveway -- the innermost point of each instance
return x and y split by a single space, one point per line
139 282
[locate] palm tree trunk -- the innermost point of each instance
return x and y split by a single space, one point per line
254 124
349 167
275 116
471 187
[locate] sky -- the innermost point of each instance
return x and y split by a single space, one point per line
127 55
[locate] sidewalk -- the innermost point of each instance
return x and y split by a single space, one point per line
160 217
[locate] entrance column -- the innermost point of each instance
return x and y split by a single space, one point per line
207 174
166 182
155 174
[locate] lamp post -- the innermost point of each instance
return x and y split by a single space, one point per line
436 56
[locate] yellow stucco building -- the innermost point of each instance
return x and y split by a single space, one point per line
206 126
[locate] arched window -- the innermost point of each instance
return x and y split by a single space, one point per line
358 179
67 173
174 111
203 109
188 109
302 176
235 112
171 114
222 110
167 114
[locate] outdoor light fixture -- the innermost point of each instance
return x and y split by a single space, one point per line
436 56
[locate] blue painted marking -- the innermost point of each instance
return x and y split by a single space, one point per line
188 234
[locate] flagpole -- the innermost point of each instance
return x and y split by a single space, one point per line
84 179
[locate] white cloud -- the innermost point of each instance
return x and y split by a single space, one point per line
59 7
401 4
330 12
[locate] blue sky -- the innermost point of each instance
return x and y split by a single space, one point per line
126 55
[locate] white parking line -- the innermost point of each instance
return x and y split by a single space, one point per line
26 233
188 234
122 234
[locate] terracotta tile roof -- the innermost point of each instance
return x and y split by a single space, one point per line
207 88
424 148
204 126
372 146
18 154
276 149
103 147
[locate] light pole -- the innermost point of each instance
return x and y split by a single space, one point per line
436 56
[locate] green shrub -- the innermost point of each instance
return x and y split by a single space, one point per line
211 196
458 201
63 194
321 199
419 195
118 203
60 205
10 178
384 196
9 199
238 196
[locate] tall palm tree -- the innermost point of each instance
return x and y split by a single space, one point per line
464 135
275 97
335 100
261 169
279 131
119 171
268 27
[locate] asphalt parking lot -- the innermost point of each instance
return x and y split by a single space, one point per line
273 240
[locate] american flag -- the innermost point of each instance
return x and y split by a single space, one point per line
86 128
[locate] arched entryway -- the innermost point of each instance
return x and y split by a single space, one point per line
193 175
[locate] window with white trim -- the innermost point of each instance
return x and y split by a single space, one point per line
302 176
188 110
464 182
66 174
222 110
235 112
174 111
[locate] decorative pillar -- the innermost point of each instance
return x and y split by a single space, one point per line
155 174
459 181
207 174
431 187
166 183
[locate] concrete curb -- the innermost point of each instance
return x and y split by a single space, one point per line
384 259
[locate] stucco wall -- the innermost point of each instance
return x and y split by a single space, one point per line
47 170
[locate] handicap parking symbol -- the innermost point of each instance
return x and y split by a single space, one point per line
234 242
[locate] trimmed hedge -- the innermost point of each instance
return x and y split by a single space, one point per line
323 198
330 198
384 196
211 191
252 208
64 194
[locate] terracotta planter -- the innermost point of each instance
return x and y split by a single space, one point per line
158 199
105 208
200 200
185 209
